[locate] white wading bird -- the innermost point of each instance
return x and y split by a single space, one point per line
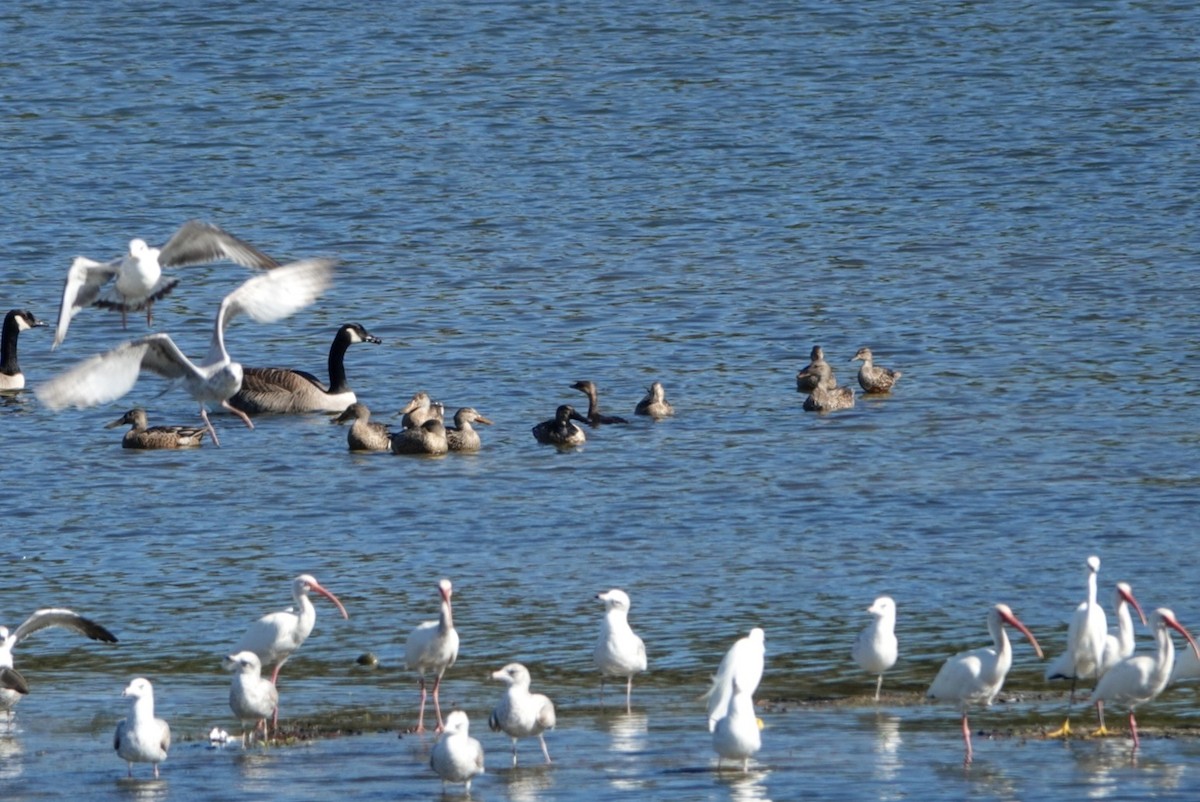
142 738
743 663
252 697
619 652
139 279
266 298
1138 679
521 714
457 757
433 647
875 649
975 677
1086 635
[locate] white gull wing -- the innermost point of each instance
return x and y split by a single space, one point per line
81 288
67 619
108 376
197 242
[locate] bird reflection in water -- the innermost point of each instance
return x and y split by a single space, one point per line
886 766
527 783
144 789
630 733
11 764
746 787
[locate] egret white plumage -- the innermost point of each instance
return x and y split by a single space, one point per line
15 686
1086 635
520 713
457 757
142 738
619 652
265 298
737 733
252 697
139 280
975 677
1140 678
743 664
876 648
432 648
276 636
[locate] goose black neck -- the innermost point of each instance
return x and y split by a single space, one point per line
337 367
8 347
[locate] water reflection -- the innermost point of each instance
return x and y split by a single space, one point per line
143 790
11 750
629 735
527 783
746 786
257 772
887 751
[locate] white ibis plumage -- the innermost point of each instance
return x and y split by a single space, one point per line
619 652
142 738
14 685
876 648
520 713
1140 678
975 677
432 648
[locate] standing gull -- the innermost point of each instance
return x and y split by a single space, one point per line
266 298
619 652
142 738
432 648
875 649
736 735
457 757
252 697
521 714
139 280
41 619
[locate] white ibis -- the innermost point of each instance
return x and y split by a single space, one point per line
457 757
1140 678
743 664
975 677
1118 647
875 649
14 684
265 298
736 735
142 738
15 322
619 652
521 714
252 697
1086 635
139 280
432 648
276 636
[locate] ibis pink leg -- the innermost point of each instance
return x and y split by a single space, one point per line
967 739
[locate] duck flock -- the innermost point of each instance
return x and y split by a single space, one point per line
133 282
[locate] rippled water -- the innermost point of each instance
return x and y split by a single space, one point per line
997 199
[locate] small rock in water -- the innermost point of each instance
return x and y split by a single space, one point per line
368 659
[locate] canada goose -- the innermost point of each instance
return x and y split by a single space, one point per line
283 390
655 403
141 436
873 379
817 373
15 322
139 280
462 436
594 418
560 431
428 438
364 434
265 298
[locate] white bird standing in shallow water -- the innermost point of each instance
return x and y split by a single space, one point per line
1140 678
975 677
457 757
252 697
266 298
521 714
1086 636
142 738
1118 647
875 649
736 734
433 647
139 281
276 636
15 686
619 652
743 664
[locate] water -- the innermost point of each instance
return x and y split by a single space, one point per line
997 200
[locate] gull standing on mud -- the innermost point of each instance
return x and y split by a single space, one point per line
875 649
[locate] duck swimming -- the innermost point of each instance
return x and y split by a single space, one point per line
364 434
594 418
655 403
560 431
418 410
282 390
141 436
817 373
462 436
15 322
873 379
823 399
138 274
428 438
